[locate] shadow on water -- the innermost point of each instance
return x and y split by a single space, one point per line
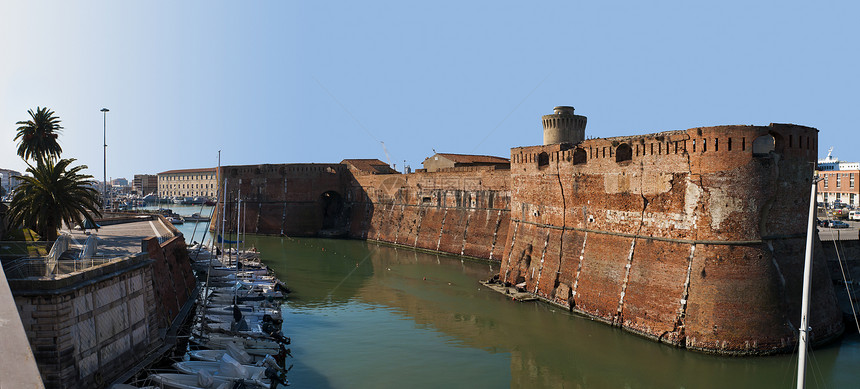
368 315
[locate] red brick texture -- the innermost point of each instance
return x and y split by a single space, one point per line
173 279
694 238
701 249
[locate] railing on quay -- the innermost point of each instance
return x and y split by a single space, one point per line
63 259
37 268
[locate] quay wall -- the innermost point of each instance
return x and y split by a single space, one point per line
688 237
91 326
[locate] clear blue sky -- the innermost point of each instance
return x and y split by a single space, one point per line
285 81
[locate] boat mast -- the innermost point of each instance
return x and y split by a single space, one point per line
223 217
238 220
807 280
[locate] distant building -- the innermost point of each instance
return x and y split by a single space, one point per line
145 184
837 183
119 182
188 183
441 161
8 179
368 166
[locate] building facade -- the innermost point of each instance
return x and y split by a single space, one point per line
145 184
837 185
442 161
8 179
188 183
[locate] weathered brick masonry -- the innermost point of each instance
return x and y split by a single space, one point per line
688 237
694 238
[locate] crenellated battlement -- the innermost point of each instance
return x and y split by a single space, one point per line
731 144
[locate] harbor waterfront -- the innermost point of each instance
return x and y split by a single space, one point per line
364 314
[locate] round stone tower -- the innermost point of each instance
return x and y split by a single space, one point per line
563 126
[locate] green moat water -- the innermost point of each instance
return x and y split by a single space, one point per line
362 315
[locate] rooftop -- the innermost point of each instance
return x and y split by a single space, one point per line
469 158
370 165
201 170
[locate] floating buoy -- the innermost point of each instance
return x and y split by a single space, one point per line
425 278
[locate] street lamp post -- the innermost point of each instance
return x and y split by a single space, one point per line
104 198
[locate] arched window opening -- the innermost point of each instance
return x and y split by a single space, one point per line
623 153
579 157
763 145
543 159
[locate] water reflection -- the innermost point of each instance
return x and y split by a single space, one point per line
368 315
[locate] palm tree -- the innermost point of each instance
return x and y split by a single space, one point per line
53 196
38 136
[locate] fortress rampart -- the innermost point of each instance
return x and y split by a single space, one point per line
460 211
694 238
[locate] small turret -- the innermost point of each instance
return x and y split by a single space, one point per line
563 126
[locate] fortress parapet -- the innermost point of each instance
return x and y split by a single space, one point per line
563 126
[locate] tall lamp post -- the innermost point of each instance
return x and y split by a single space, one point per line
104 199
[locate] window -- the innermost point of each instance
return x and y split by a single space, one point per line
763 145
826 178
543 159
579 156
838 181
851 181
624 153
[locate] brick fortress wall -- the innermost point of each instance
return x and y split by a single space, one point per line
687 237
462 211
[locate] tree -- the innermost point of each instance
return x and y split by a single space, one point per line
37 137
53 196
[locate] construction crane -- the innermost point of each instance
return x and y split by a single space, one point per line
387 157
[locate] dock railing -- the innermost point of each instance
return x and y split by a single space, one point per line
55 264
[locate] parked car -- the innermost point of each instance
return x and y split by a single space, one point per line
838 224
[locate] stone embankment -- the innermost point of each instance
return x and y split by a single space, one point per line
92 319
